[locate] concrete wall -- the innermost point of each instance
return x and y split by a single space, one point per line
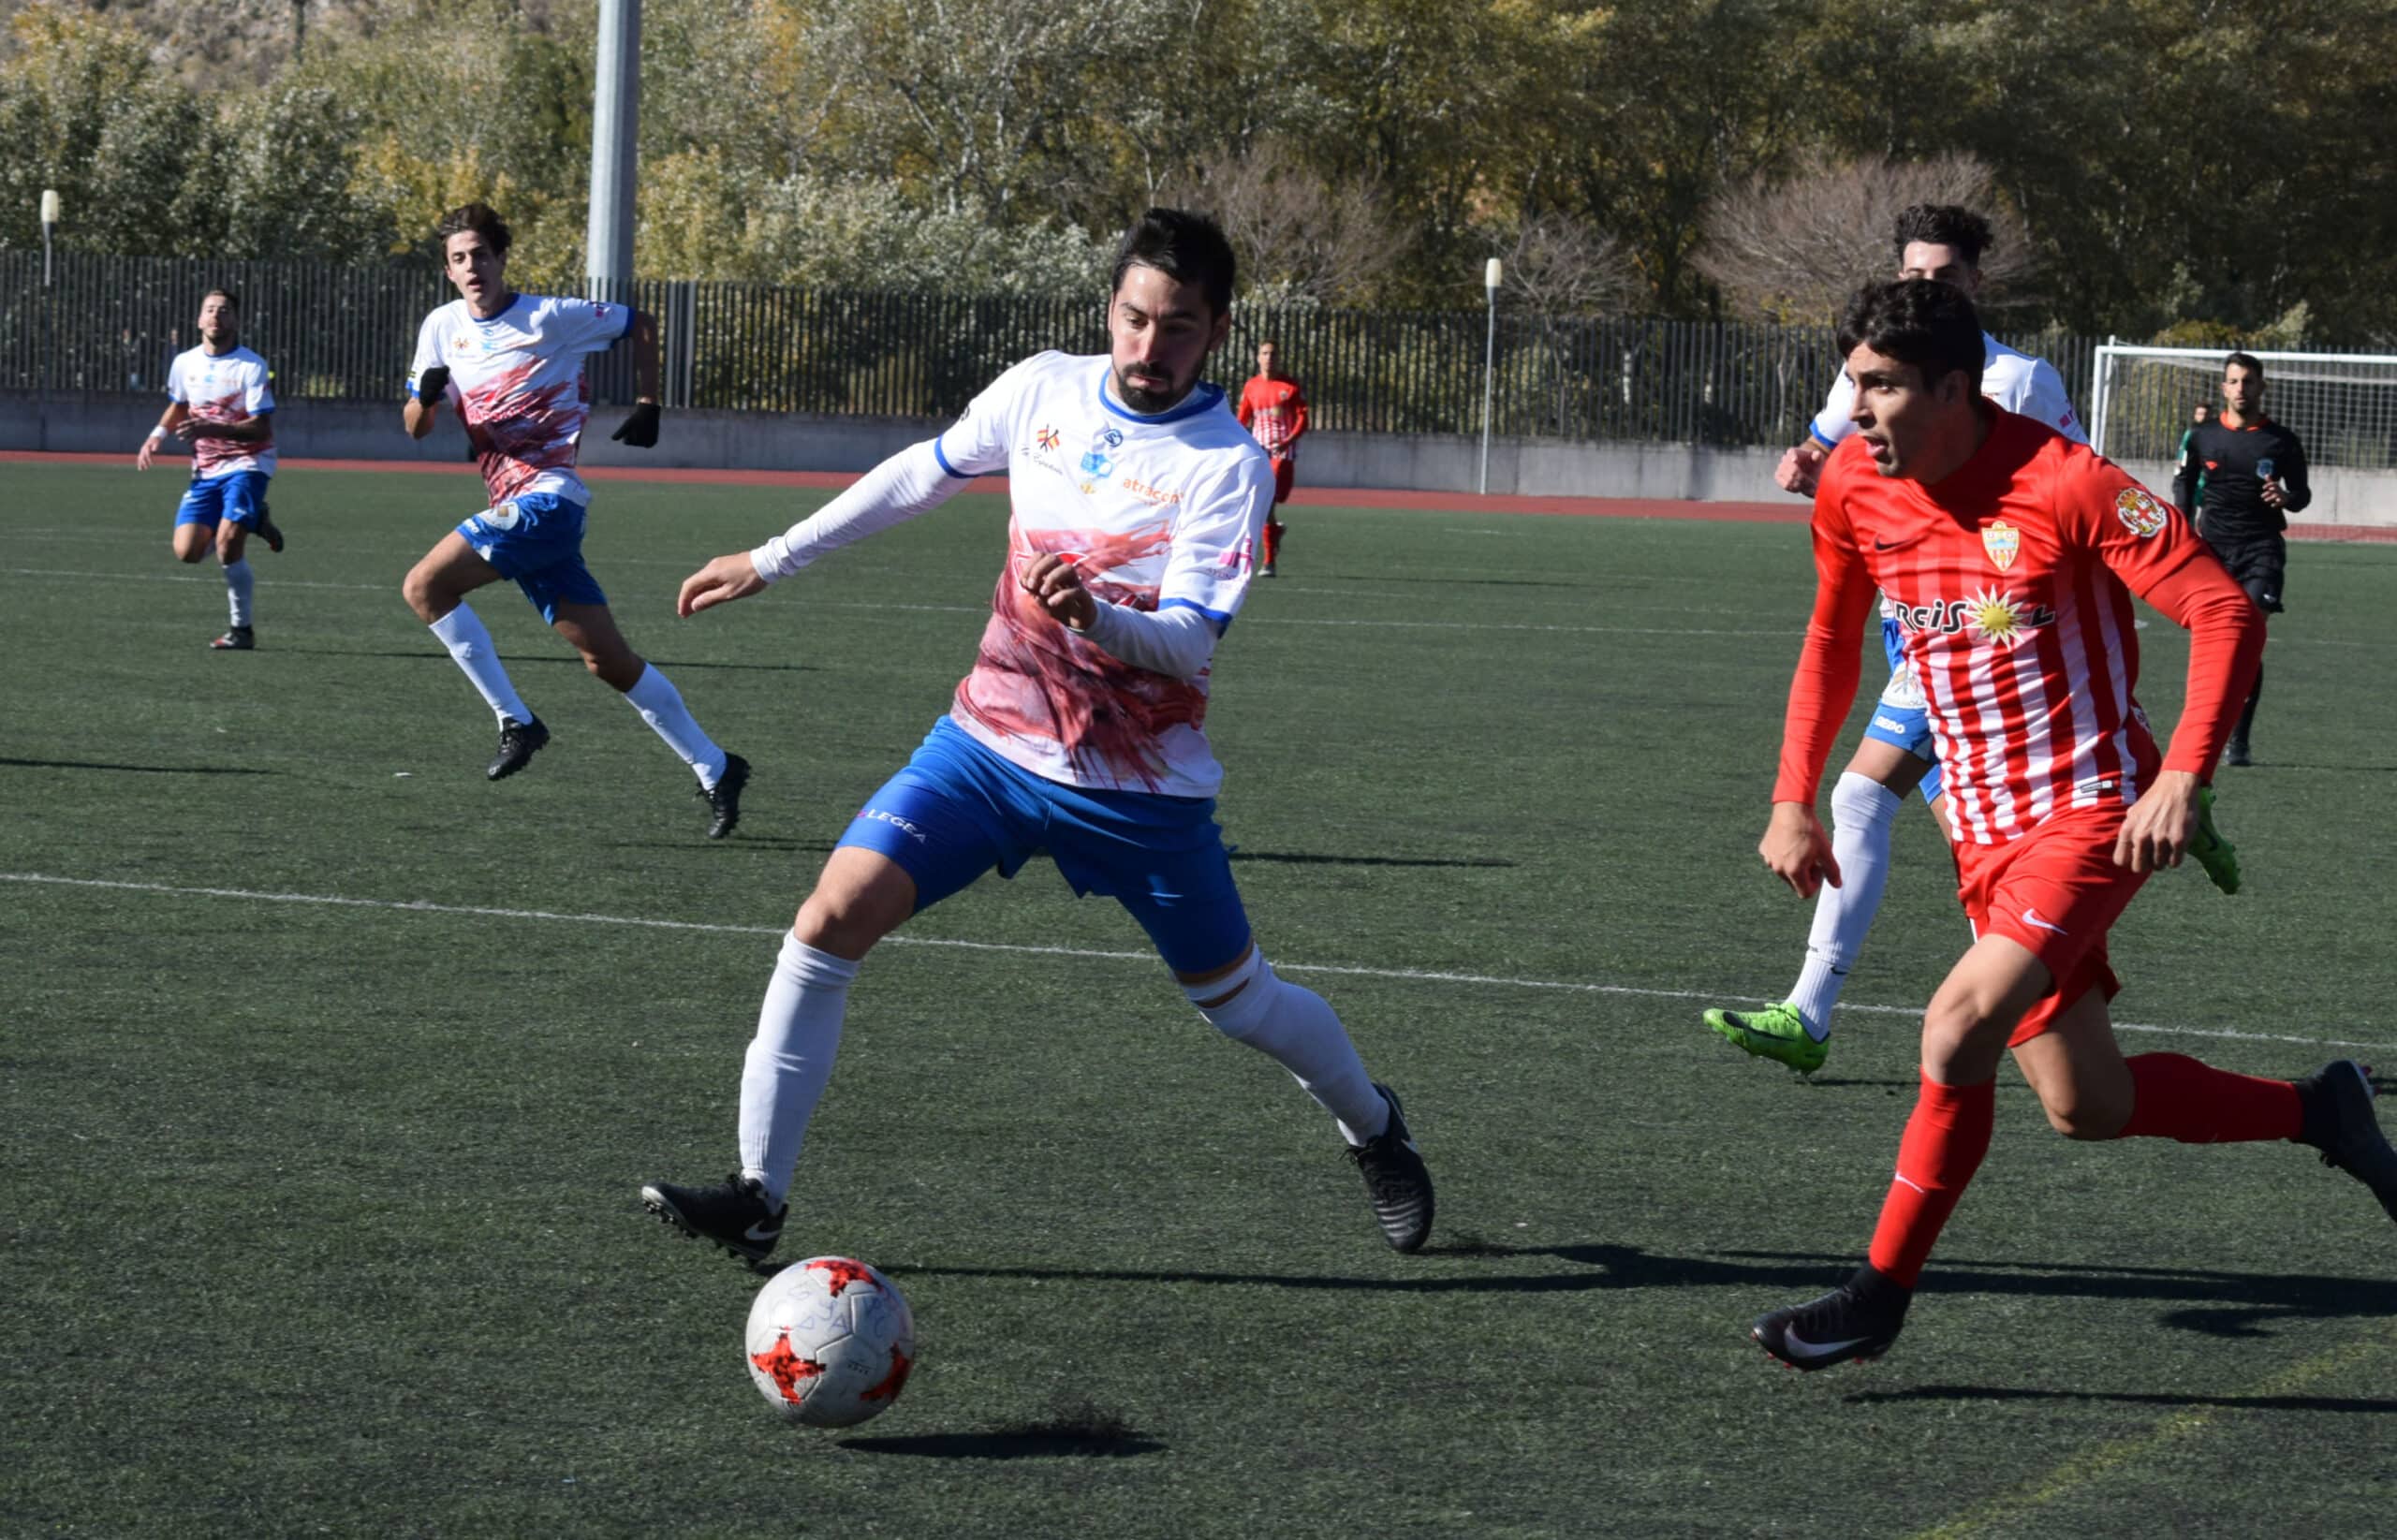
114 424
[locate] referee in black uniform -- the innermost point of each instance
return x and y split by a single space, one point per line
2240 478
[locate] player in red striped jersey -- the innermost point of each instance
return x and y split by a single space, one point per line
2011 554
1274 411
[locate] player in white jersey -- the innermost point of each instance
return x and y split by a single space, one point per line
221 401
511 364
1943 242
1137 504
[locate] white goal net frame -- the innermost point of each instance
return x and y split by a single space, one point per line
2342 406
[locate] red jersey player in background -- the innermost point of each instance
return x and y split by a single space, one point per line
1274 411
2011 555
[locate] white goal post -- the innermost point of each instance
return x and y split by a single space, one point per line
2342 407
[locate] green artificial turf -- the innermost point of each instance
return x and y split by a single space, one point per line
331 1071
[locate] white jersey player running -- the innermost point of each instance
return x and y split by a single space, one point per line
1137 500
1943 242
221 401
511 366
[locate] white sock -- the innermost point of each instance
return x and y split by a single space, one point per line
799 1030
660 705
1862 809
461 632
239 583
1298 1030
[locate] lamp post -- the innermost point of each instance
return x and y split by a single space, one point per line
42 365
1493 275
49 224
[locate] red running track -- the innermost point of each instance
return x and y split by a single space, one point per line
1791 512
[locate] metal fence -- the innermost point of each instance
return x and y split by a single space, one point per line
111 323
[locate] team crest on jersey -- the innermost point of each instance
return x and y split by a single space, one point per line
2140 512
2003 542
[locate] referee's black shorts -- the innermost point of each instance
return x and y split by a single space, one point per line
2258 563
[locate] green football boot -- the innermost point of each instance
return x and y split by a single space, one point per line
1776 1031
2218 856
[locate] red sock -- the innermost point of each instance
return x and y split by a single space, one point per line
2180 1099
1272 538
1944 1142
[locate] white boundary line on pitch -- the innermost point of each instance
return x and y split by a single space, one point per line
1422 976
981 610
1779 633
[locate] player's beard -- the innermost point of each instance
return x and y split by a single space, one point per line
1146 401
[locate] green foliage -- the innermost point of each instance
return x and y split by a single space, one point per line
2210 167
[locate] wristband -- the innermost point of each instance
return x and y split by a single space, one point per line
157 434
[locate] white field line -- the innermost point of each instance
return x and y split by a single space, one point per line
1781 633
983 609
1418 975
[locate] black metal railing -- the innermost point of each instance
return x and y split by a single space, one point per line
108 324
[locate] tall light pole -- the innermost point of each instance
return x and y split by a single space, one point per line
615 130
1492 276
48 225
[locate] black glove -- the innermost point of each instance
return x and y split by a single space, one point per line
433 384
640 429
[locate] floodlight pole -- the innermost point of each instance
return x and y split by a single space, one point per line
48 225
615 129
48 303
1493 275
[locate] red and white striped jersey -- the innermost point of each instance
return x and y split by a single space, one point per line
2010 581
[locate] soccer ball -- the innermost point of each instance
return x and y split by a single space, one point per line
831 1341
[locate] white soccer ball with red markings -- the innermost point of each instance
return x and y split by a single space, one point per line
831 1341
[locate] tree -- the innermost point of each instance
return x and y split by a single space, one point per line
1299 237
1791 251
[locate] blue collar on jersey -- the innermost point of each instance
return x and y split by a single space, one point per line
1202 397
515 298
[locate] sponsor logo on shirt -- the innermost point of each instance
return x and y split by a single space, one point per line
2140 512
2002 541
1990 614
1154 495
1097 464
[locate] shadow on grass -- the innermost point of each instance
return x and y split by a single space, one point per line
2218 1304
2215 1304
1079 1431
139 770
756 844
1449 581
2134 1397
1294 858
534 660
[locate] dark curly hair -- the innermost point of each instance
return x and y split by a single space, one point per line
1944 225
1186 247
1919 321
482 218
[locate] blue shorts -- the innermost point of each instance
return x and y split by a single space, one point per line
237 497
535 542
1900 717
958 810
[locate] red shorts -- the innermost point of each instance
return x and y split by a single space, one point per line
2057 892
1284 469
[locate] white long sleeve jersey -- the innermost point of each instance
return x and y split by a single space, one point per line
1161 514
